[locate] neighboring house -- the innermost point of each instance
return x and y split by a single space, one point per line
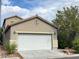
33 33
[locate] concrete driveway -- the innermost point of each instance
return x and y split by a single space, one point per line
44 54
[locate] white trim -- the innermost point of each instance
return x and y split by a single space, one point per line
34 32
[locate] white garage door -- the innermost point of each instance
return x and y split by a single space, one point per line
34 42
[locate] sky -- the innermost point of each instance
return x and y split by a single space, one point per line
26 8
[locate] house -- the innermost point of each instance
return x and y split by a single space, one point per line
34 33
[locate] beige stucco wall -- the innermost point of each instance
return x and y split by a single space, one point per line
12 21
34 25
6 37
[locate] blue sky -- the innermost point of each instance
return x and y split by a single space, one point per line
26 8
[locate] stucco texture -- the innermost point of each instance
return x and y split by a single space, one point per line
32 26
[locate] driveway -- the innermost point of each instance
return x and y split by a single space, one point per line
44 54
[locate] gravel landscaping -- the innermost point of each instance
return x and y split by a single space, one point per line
4 55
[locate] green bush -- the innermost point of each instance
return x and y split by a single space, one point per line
62 44
10 48
62 40
76 44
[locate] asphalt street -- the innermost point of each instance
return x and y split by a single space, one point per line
69 58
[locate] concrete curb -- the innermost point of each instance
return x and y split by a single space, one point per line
74 55
66 56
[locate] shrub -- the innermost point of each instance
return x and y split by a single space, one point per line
76 44
10 48
62 43
62 40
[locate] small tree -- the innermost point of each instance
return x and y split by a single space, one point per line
67 22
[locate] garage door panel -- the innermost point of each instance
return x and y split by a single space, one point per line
33 42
